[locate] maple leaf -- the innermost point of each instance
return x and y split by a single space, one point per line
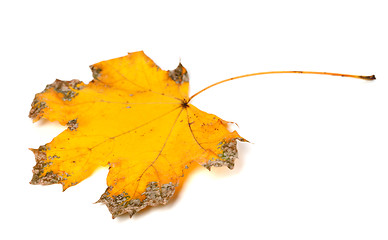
136 119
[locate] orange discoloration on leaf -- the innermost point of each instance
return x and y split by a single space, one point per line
136 119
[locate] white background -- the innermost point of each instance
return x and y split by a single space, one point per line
317 165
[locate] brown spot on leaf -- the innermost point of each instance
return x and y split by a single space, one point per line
179 75
72 124
66 88
121 204
36 108
227 156
38 171
96 72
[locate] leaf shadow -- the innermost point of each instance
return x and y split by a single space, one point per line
47 123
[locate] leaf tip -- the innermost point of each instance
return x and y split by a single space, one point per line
227 156
96 72
179 74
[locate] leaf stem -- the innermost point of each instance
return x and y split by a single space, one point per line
372 77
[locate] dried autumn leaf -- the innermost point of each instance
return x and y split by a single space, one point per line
136 119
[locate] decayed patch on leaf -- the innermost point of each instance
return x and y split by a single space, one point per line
179 75
226 157
136 119
154 195
72 124
40 176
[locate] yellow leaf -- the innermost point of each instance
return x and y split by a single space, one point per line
136 119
